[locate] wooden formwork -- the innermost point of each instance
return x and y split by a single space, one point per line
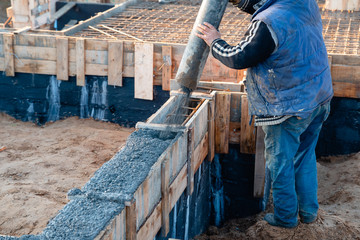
167 180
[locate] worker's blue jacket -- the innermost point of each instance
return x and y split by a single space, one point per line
296 78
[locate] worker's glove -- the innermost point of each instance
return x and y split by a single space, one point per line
235 2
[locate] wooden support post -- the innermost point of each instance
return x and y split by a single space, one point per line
166 67
9 55
131 221
80 62
165 204
259 175
222 121
62 58
235 118
211 127
247 137
115 63
190 166
144 70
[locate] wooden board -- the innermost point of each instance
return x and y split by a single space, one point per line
115 63
211 128
144 58
222 121
166 67
131 221
62 58
200 153
165 206
151 226
248 136
235 118
9 55
259 175
80 62
38 66
190 169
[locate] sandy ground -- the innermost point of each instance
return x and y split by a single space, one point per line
41 164
339 215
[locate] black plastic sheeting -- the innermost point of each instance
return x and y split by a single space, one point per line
80 12
19 93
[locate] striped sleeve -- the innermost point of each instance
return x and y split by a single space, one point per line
256 46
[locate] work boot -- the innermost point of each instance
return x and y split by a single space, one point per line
270 218
308 219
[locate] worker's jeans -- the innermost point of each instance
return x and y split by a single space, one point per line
290 157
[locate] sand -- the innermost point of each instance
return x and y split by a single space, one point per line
339 215
41 164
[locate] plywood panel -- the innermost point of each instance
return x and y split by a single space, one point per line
144 58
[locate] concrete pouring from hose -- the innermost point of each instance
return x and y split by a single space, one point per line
197 51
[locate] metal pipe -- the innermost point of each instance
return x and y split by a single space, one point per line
196 51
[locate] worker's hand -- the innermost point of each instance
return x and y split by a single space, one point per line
208 33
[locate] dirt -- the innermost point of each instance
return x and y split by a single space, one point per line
41 164
338 218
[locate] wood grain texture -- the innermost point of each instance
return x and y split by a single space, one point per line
144 58
115 63
248 136
62 58
259 175
80 62
222 121
166 67
9 55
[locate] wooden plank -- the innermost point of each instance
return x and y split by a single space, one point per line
62 11
178 186
160 115
167 67
9 12
91 56
222 120
345 73
131 221
235 118
259 175
20 6
8 40
40 8
165 207
80 62
350 60
248 136
62 60
2 63
345 89
22 30
98 18
227 86
115 62
190 166
42 20
200 152
35 40
144 58
35 53
211 128
151 226
35 66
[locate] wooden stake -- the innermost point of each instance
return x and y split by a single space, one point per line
9 54
167 67
247 136
80 62
144 72
222 121
131 221
211 128
190 167
165 207
115 63
62 58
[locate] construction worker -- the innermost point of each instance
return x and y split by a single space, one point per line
289 90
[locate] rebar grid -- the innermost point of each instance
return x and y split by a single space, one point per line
172 23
